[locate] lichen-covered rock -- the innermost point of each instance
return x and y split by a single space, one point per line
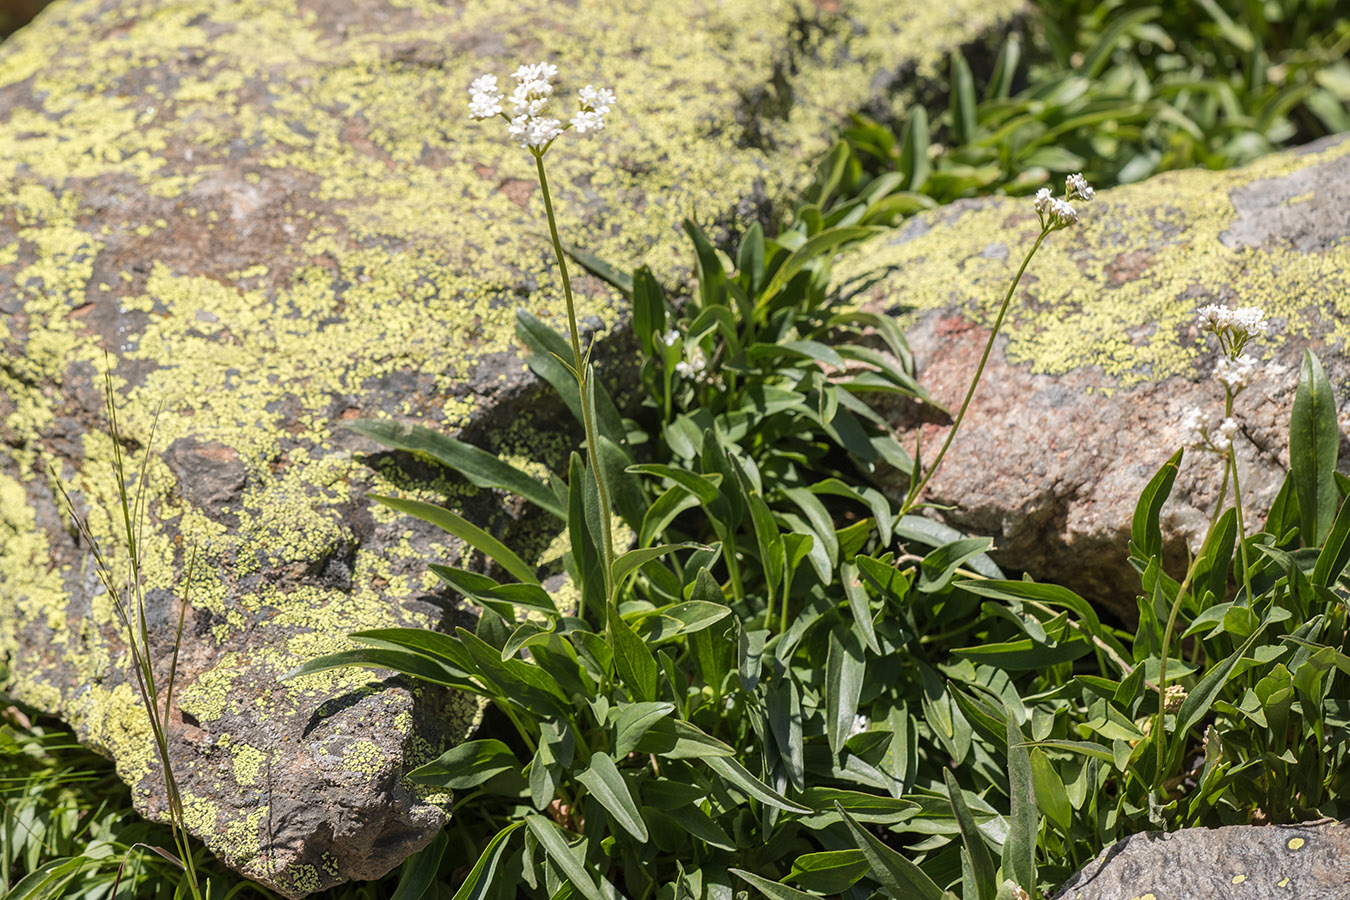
1084 393
272 216
1240 862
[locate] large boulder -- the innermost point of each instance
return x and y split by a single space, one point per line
1309 862
268 218
1101 355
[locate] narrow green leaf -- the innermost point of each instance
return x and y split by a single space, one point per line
914 141
1335 552
419 870
630 562
649 309
845 670
607 786
736 775
962 101
1051 795
1145 532
633 721
820 244
467 532
467 765
1314 442
1019 849
478 466
981 865
771 889
895 873
550 838
478 884
633 659
380 658
1206 690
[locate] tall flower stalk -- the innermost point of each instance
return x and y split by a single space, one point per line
1055 213
535 131
1234 329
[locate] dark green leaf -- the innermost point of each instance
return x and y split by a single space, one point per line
895 873
981 865
771 889
464 530
607 786
467 765
736 775
550 838
478 884
845 670
1314 441
1145 532
419 870
478 466
1019 849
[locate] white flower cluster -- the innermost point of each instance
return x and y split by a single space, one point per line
595 104
534 88
1059 213
670 337
1076 186
1235 374
693 365
1198 430
1249 321
1173 698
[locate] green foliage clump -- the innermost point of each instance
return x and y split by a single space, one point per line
1120 91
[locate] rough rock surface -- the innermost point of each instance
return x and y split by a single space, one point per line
1100 356
273 215
1240 862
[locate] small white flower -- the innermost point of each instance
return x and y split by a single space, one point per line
485 100
540 71
588 121
1252 320
1195 424
595 99
529 97
1214 318
1076 186
1235 374
860 724
670 337
1042 201
1224 435
694 365
1062 213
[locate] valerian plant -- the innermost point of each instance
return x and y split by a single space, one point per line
775 676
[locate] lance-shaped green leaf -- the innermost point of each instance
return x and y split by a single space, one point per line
478 885
845 669
772 889
981 865
895 873
464 530
1314 441
1019 848
550 838
478 466
607 786
736 775
419 870
467 765
1145 532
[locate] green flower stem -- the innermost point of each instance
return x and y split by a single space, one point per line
583 373
1237 503
1160 737
916 487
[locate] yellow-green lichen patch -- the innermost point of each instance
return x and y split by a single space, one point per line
248 762
1119 290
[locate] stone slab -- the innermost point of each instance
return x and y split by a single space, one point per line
1239 862
270 216
1100 355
